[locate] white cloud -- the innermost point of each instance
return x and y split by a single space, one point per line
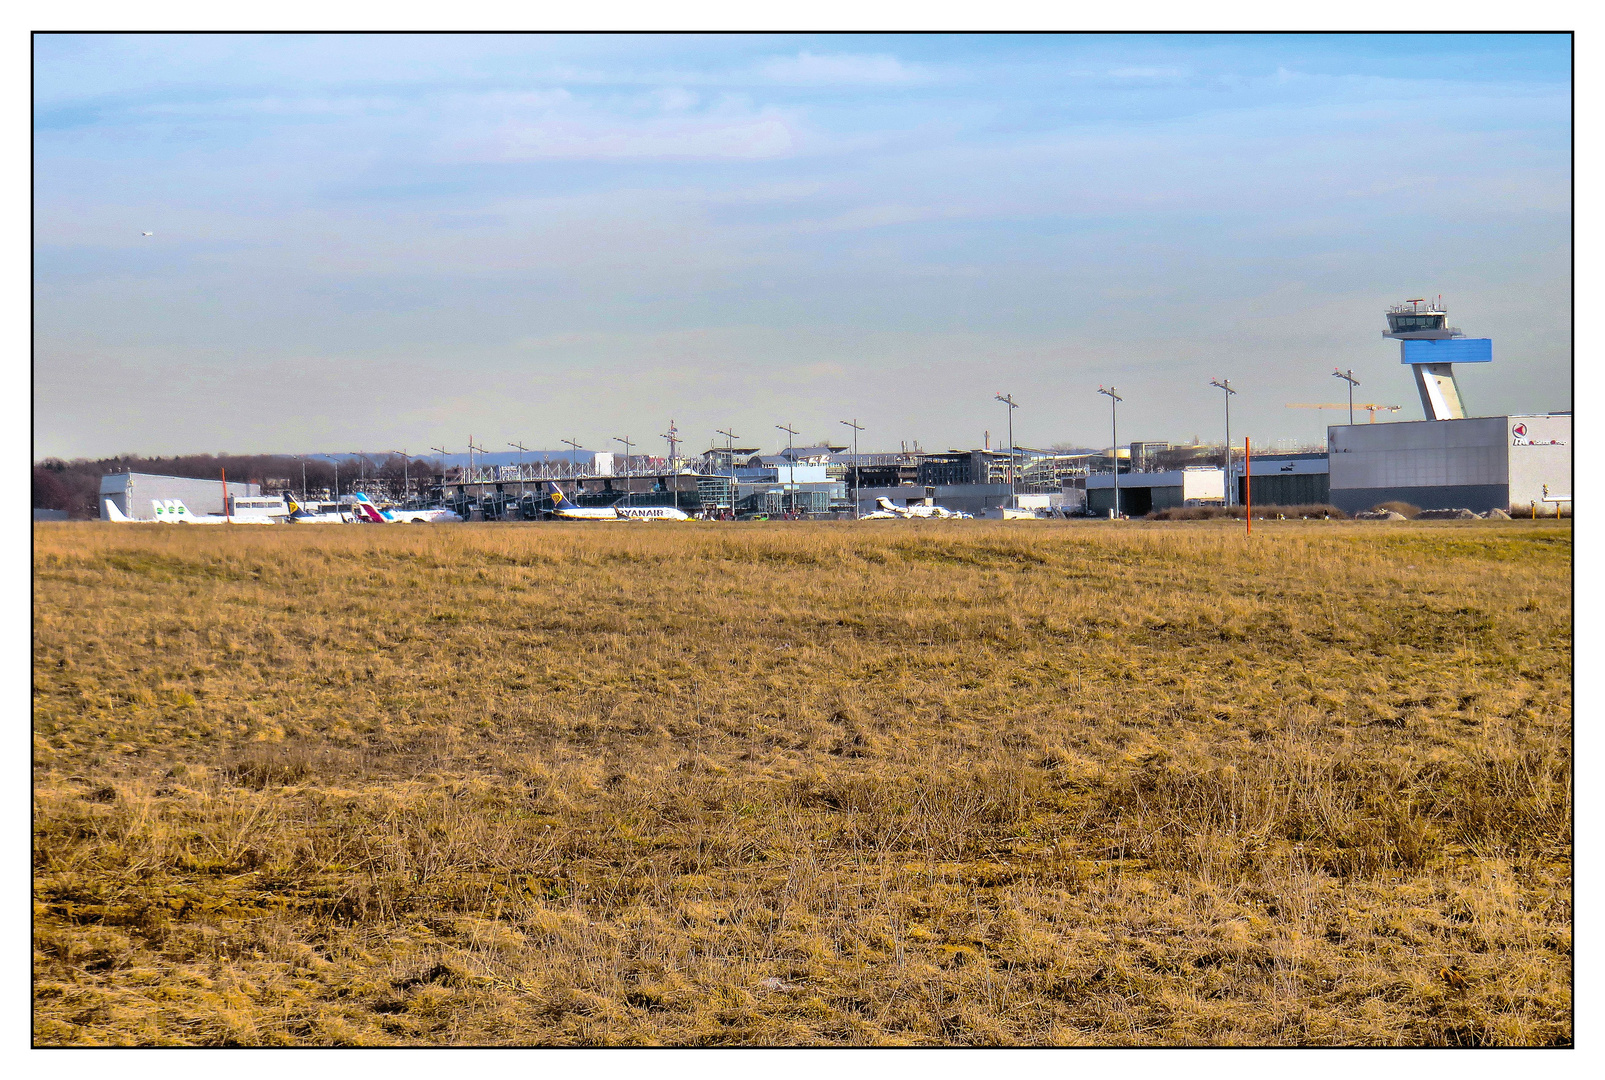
674 99
763 135
841 69
1148 73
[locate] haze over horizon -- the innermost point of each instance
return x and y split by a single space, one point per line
394 241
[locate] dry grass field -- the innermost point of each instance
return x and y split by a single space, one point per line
897 782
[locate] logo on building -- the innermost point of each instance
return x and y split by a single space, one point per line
1519 437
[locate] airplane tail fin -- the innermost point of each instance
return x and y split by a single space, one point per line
885 504
559 500
368 512
170 510
112 513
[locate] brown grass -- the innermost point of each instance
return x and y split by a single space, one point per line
1273 512
957 783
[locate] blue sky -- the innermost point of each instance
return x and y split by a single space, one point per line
377 242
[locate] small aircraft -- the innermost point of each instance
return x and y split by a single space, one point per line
365 510
564 508
888 509
173 511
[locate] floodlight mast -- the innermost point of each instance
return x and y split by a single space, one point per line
1008 399
444 454
522 450
406 485
1348 377
1226 385
629 493
673 436
1114 442
791 466
730 461
573 452
471 449
857 427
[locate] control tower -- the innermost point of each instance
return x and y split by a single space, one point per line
1432 348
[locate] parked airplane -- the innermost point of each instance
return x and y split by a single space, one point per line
365 510
563 507
175 512
916 510
319 513
114 514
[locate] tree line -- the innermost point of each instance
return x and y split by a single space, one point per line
74 486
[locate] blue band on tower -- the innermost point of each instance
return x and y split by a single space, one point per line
1447 351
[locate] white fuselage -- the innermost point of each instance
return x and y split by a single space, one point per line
651 513
175 512
889 509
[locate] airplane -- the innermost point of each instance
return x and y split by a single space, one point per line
173 511
887 508
318 513
114 514
365 510
562 507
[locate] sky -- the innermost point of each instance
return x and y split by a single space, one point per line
393 242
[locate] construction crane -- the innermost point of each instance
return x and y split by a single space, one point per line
1369 407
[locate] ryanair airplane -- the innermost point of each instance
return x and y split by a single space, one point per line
562 507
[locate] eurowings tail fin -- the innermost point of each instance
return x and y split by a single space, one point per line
368 512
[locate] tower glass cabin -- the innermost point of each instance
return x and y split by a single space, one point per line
1432 347
1420 320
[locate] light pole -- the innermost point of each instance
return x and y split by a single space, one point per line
857 427
303 477
521 450
362 470
573 456
791 467
471 449
1348 377
1114 442
1226 385
335 461
1008 399
673 435
730 460
629 495
444 454
406 480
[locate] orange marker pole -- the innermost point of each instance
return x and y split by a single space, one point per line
1248 490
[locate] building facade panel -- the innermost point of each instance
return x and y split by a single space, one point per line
1540 449
1423 453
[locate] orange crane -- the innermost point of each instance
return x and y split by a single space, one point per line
1369 407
